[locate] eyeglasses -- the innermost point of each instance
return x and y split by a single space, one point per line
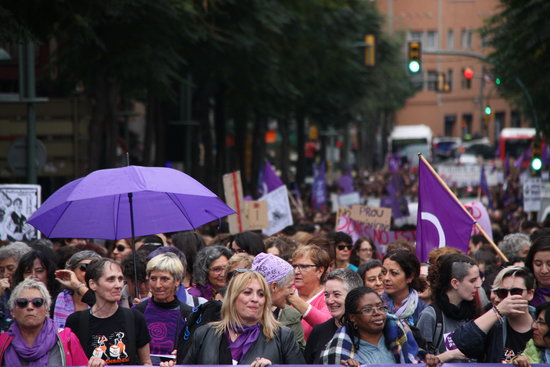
217 269
503 293
121 248
370 310
83 266
36 302
303 267
343 247
539 322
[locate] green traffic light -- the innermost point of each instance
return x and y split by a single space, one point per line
487 110
536 164
414 66
497 81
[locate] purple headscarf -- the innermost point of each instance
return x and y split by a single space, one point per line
35 355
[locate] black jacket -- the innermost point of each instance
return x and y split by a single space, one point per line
209 348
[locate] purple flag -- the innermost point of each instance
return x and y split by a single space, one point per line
269 179
485 187
319 190
441 220
346 183
395 201
545 155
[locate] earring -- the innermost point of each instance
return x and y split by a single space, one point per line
355 325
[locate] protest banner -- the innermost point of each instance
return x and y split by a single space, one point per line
377 217
17 203
467 175
380 237
256 215
233 190
279 213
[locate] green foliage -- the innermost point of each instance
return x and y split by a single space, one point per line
520 36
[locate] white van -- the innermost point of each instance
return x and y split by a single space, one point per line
409 140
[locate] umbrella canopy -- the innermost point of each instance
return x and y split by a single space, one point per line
98 205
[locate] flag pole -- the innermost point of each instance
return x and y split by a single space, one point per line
479 228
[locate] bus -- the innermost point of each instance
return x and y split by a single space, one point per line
515 141
406 141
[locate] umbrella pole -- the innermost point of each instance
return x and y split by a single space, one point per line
130 195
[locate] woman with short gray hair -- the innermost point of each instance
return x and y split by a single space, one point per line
72 278
33 339
209 271
515 245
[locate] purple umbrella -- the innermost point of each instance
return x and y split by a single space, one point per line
106 204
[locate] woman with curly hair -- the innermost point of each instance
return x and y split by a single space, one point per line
209 271
454 281
370 335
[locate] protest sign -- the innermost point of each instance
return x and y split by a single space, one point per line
279 213
256 215
17 203
380 237
233 190
378 217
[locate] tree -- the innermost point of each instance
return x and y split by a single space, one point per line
520 36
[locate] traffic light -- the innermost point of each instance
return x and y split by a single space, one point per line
370 50
536 156
414 63
488 110
468 75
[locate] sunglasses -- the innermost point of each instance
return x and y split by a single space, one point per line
23 302
83 266
120 248
343 247
370 310
503 293
231 274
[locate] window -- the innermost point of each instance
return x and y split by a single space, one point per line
415 36
431 40
485 39
466 124
432 80
466 39
515 119
450 76
499 124
450 121
450 39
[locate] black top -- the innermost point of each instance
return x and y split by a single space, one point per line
318 339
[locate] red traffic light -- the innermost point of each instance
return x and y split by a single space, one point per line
468 73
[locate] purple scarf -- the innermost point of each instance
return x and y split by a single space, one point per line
538 298
247 336
204 291
37 355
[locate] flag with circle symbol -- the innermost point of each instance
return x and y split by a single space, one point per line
441 220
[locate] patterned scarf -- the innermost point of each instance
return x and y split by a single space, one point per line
407 308
399 340
37 354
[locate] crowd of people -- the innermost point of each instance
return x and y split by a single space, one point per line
304 295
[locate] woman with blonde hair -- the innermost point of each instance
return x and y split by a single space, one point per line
247 332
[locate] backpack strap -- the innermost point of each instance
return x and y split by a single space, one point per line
437 337
5 341
195 301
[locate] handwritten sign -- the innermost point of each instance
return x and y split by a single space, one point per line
378 217
256 215
380 237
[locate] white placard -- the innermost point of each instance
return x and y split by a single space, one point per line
532 194
17 203
279 213
348 200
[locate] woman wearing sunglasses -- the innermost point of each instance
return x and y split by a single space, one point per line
33 338
454 281
501 333
369 335
72 279
121 250
343 245
537 350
